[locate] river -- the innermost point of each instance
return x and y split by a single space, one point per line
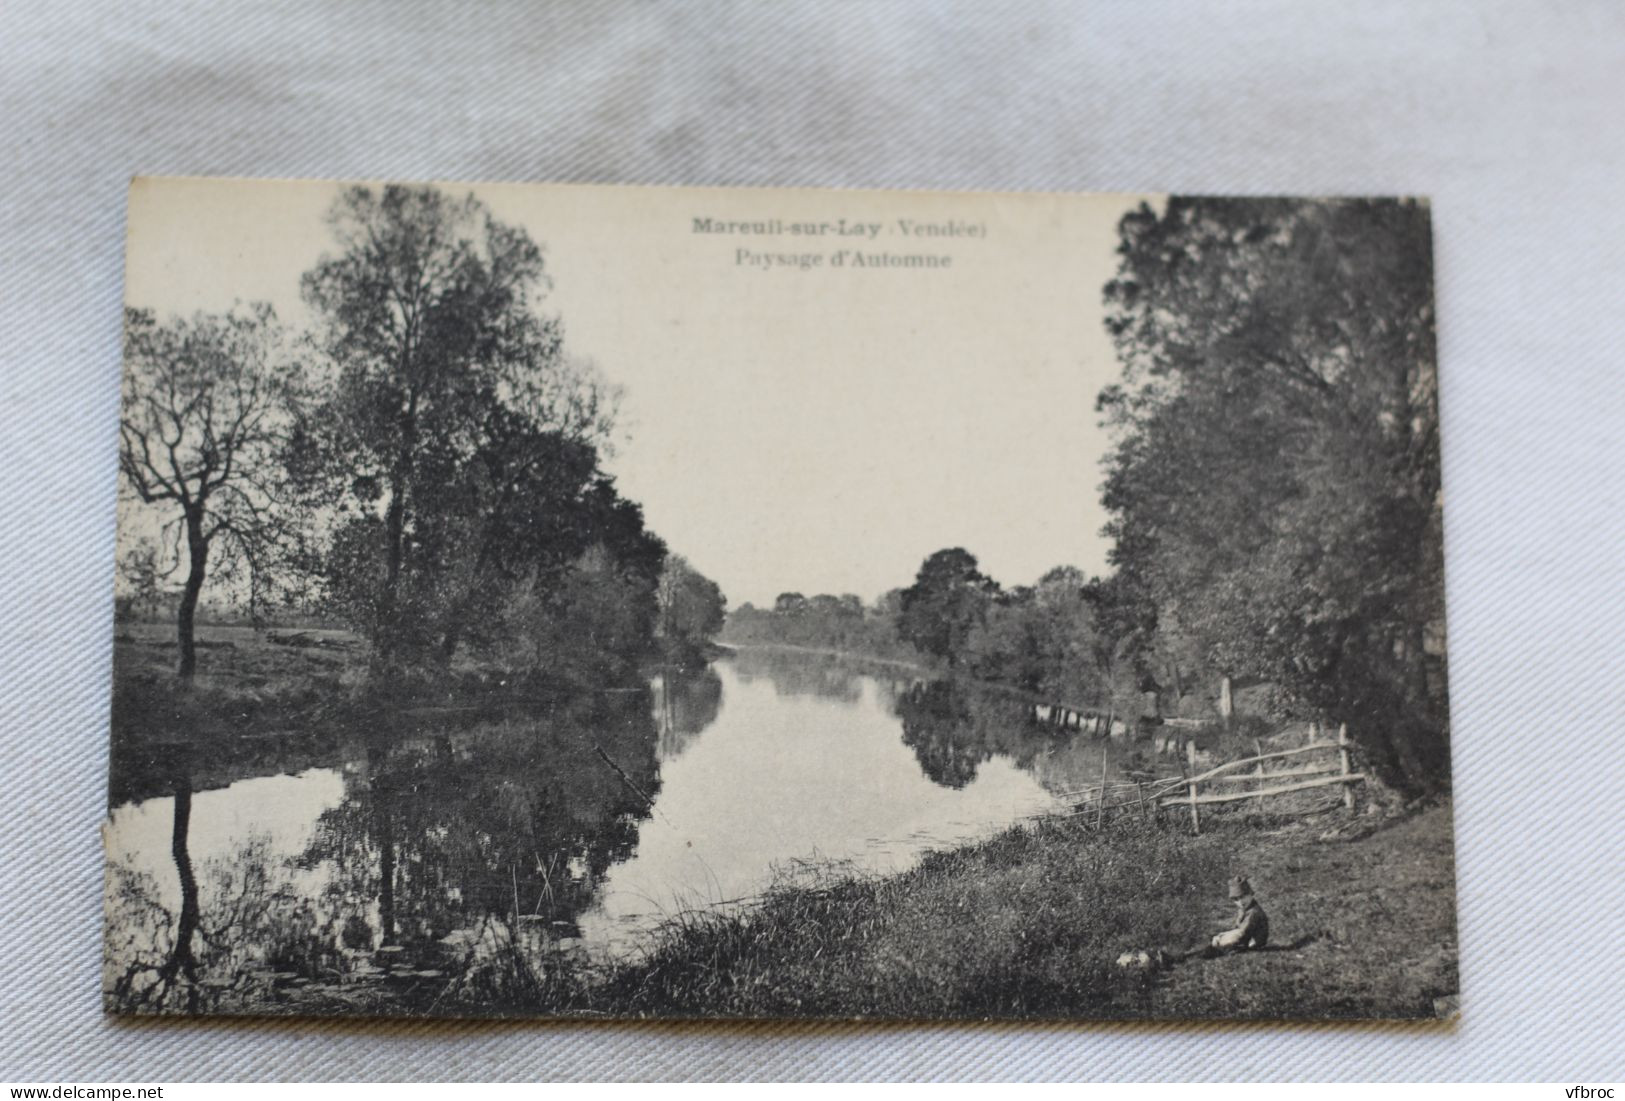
424 847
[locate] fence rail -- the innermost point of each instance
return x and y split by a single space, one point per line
1185 790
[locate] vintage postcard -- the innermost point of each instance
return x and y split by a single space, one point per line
561 601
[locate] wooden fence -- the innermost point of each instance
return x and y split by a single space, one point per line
1192 791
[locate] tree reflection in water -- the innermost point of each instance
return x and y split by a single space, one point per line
687 701
940 726
168 975
810 673
456 861
953 726
219 947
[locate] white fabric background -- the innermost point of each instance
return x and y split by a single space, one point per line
1508 115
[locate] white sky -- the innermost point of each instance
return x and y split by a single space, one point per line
822 430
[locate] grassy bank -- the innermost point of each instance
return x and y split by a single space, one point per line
242 673
1027 923
259 679
276 700
1030 923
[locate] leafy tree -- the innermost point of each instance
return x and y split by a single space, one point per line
1009 646
1065 637
201 431
141 577
591 624
826 606
1068 632
692 608
948 599
457 430
1275 483
888 605
790 604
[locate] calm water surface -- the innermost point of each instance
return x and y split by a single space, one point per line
430 845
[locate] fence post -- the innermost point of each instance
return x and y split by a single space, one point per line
1343 754
1196 815
1100 809
1258 751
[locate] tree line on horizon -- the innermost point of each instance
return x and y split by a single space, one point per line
1062 637
1273 487
424 465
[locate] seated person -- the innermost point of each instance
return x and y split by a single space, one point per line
1252 929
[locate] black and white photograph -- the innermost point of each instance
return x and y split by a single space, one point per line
551 601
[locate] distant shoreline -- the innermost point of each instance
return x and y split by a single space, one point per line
848 655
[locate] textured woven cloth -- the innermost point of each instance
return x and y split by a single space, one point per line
1506 114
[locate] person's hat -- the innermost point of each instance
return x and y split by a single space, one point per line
1239 887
